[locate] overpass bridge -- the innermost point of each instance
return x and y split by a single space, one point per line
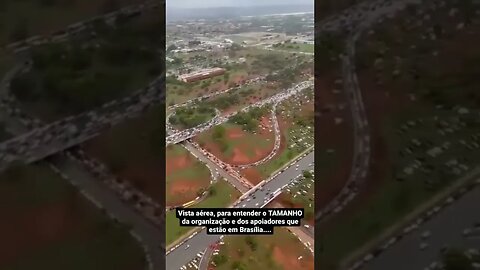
60 135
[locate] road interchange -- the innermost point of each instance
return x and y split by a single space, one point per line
196 243
358 149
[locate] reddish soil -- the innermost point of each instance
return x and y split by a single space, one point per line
240 156
177 163
220 86
52 223
266 123
252 175
183 191
235 133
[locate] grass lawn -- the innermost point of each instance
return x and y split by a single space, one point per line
441 83
237 99
292 150
216 199
191 116
276 252
187 183
179 92
47 217
308 48
303 193
238 146
68 79
392 199
186 176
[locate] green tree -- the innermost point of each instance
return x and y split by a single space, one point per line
307 174
237 265
212 191
218 132
220 259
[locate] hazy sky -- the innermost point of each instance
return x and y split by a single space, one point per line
233 3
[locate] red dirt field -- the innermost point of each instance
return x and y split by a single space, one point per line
220 86
242 146
252 175
52 223
235 133
181 190
177 163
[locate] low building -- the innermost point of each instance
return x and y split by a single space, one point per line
201 75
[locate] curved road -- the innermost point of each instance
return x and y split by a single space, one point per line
357 18
181 255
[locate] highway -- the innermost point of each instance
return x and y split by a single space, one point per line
62 134
151 236
192 132
181 255
446 230
242 187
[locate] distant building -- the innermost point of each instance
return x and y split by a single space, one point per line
201 75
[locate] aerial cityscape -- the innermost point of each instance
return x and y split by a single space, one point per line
240 132
114 114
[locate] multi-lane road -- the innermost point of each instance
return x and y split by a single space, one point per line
197 243
192 132
445 229
151 236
